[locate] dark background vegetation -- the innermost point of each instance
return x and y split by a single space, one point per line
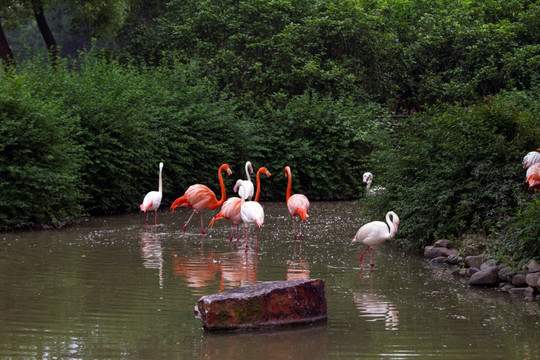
439 99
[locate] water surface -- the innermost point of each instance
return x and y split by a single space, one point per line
110 288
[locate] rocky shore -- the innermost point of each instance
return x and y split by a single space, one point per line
487 272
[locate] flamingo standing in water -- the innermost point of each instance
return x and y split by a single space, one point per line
152 200
375 233
231 211
245 187
200 197
297 204
252 211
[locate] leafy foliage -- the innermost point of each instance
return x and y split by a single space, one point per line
461 172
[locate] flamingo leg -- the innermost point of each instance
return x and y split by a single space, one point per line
232 233
362 255
372 264
187 222
294 226
237 232
155 217
256 235
300 230
246 238
202 225
147 218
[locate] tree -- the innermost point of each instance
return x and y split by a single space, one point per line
5 51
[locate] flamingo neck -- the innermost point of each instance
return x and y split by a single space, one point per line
160 187
222 184
391 224
248 166
258 180
289 183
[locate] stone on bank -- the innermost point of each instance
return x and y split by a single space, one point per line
271 303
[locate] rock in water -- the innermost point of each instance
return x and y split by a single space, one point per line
264 304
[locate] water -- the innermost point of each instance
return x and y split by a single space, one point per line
109 288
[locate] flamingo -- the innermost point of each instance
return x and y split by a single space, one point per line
533 176
152 200
375 233
231 211
368 179
245 189
531 158
252 211
297 204
200 197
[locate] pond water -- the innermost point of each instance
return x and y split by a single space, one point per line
110 288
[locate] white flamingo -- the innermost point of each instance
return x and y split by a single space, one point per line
367 180
375 233
252 212
245 189
152 200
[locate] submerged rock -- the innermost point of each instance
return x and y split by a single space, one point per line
264 304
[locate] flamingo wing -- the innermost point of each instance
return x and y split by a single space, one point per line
372 233
533 176
151 201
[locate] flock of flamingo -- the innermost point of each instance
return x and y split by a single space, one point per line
243 209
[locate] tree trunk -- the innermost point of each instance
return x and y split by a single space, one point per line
5 51
48 37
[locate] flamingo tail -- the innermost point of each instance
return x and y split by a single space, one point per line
146 206
218 216
181 201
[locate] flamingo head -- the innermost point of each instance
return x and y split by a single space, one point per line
367 178
265 171
287 171
250 166
239 183
353 241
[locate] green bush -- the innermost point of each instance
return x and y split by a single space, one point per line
40 162
460 171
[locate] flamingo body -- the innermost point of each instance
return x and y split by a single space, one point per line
199 197
531 158
230 210
152 200
375 233
297 204
245 187
533 176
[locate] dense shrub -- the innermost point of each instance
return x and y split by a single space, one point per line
461 171
40 182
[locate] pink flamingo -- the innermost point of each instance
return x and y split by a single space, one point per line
375 233
231 211
297 204
200 197
152 200
252 211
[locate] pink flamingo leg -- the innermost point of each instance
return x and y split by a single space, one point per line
232 233
246 239
372 263
362 255
202 226
300 230
294 227
147 218
187 222
256 235
155 217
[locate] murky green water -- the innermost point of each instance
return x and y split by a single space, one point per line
111 289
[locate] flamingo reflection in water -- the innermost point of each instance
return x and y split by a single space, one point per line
238 268
199 271
376 307
152 253
298 267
